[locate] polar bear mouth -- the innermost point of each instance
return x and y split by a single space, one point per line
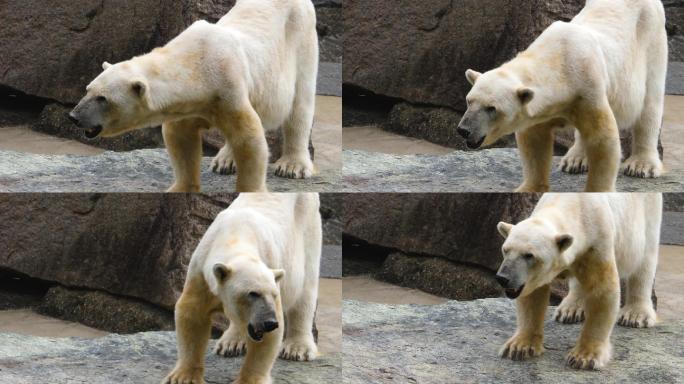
475 145
254 334
93 132
514 293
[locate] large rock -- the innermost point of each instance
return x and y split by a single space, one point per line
144 358
419 51
458 342
456 227
134 245
147 170
54 51
675 28
491 170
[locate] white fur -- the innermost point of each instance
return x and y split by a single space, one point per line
612 235
256 238
252 71
605 69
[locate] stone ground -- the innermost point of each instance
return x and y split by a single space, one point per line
378 161
34 162
457 342
143 358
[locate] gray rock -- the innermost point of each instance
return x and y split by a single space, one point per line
329 79
492 170
331 262
147 170
672 231
675 78
143 358
674 10
457 342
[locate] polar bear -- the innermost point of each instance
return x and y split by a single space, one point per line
252 71
258 263
605 69
595 240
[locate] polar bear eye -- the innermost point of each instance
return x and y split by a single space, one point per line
528 256
490 110
254 295
101 99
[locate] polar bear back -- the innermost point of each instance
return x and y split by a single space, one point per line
630 221
285 229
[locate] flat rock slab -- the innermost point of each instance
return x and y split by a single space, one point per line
457 342
143 358
329 79
490 170
675 78
146 170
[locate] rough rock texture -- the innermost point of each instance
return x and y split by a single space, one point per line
105 311
456 227
675 78
457 342
674 10
439 277
54 51
493 170
147 170
419 51
329 15
135 245
144 358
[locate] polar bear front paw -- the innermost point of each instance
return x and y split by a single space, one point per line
294 167
637 316
574 164
231 346
299 350
223 163
569 312
589 358
521 348
185 376
643 166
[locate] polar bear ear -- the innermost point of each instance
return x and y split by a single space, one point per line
279 274
525 95
139 88
106 65
472 76
504 229
222 272
564 242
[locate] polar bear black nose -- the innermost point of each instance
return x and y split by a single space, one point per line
270 325
73 119
463 132
503 281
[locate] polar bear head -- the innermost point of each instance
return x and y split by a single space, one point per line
117 101
534 254
249 291
496 105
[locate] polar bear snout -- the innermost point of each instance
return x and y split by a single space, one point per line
257 330
88 115
465 129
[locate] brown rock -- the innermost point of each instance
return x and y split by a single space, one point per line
418 51
439 277
135 245
456 227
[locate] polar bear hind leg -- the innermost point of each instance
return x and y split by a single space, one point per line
645 160
571 309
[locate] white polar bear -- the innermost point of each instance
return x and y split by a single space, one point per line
605 69
258 263
595 240
255 69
